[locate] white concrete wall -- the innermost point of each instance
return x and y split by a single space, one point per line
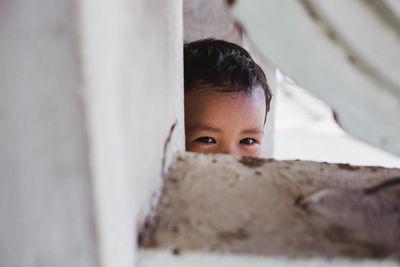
90 92
132 55
46 209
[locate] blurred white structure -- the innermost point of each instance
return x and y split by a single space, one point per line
305 129
346 53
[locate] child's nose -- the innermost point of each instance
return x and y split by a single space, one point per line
228 149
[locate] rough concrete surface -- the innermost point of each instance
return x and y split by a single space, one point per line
290 209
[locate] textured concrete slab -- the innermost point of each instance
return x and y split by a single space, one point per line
290 209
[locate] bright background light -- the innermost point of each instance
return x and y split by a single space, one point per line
305 129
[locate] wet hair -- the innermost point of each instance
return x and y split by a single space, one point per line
224 65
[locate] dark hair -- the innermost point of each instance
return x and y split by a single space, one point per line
224 65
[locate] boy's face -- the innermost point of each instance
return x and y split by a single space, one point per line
221 122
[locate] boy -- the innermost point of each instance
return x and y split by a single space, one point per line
226 99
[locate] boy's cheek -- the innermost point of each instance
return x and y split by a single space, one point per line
199 148
250 151
257 153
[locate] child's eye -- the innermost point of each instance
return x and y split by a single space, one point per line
206 140
248 141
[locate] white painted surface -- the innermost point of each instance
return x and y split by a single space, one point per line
133 89
165 258
46 207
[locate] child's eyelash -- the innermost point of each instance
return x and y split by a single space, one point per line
205 140
248 141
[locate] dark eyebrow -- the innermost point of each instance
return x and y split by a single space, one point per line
253 131
212 129
204 128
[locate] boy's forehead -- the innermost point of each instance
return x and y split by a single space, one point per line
210 102
202 87
209 96
211 92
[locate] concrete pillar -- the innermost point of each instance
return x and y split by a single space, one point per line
90 115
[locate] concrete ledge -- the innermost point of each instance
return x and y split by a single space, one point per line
279 209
